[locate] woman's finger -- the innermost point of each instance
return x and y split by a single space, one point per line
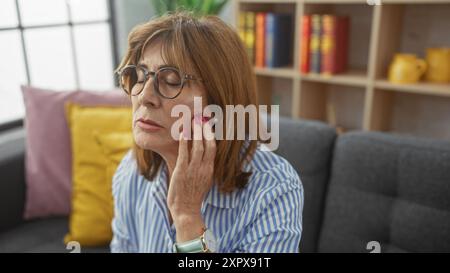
183 153
197 143
209 143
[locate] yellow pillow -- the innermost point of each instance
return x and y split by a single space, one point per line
92 209
114 147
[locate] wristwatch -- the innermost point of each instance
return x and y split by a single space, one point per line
205 243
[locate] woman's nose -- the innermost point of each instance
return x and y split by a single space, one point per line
149 96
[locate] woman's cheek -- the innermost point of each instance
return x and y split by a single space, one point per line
134 104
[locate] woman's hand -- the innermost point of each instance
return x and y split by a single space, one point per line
191 180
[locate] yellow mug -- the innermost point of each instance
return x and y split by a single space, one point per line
438 61
406 68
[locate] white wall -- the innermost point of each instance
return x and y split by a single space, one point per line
129 13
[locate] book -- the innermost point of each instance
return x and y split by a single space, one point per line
246 29
334 44
304 43
241 26
250 35
260 50
314 44
279 38
328 45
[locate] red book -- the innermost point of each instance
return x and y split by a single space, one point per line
334 44
260 39
305 43
328 45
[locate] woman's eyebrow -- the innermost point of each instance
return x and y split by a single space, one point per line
158 67
142 64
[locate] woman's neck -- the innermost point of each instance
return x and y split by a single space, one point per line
170 159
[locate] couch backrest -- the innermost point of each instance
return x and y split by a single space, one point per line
12 177
390 189
308 146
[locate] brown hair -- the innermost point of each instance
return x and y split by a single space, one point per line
213 51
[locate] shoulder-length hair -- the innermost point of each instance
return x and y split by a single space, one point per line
214 51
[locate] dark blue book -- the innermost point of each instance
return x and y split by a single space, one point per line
315 44
279 39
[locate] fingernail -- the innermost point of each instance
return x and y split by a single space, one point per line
205 119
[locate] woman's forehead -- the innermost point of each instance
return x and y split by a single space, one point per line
152 57
161 52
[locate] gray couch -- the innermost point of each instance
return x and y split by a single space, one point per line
359 187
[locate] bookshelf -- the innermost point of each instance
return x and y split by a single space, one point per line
362 98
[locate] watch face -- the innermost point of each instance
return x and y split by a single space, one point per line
210 241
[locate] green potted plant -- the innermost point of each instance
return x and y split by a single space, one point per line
201 7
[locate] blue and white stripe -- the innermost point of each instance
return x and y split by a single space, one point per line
265 216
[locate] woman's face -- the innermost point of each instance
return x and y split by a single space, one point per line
151 107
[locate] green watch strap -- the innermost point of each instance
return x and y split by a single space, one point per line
193 246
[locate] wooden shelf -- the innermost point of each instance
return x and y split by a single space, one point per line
415 1
276 72
353 78
364 98
423 88
334 1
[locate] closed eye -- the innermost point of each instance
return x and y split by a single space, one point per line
171 84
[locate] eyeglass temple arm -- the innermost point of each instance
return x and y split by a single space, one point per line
191 77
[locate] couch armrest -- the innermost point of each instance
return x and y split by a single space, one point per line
12 177
308 146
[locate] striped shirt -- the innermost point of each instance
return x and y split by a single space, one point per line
265 216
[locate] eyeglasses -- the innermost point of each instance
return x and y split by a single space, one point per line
167 81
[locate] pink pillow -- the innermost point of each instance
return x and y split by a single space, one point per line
48 150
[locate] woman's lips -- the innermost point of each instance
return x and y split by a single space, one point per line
148 125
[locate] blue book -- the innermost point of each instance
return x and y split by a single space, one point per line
279 40
315 44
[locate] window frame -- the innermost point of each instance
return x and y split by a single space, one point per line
113 38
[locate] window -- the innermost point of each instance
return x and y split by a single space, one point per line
58 44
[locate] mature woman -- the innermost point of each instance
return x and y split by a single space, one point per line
204 194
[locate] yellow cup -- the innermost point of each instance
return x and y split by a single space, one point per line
406 68
438 61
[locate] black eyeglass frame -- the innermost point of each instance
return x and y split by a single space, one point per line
184 77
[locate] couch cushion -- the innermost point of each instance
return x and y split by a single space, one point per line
40 236
390 189
12 177
92 199
308 146
48 158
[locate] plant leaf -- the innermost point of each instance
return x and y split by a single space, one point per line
218 6
206 6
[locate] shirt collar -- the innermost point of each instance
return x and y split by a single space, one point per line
161 180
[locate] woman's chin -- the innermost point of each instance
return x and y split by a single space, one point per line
151 142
